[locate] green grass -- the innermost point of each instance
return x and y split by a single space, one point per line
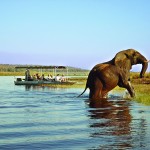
142 88
142 93
11 74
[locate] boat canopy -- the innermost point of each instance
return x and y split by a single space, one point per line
41 67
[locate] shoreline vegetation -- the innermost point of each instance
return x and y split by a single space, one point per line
142 86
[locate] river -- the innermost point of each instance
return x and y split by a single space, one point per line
47 118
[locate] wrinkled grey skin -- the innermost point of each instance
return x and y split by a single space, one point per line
106 76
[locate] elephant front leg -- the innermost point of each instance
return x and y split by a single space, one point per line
124 81
129 87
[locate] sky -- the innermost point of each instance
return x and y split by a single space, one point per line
77 33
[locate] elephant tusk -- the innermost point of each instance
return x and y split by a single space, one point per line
147 61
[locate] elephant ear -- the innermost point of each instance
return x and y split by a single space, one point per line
122 61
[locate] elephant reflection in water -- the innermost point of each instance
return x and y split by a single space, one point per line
106 76
112 118
117 117
117 114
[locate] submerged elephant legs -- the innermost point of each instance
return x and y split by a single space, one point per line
95 89
97 92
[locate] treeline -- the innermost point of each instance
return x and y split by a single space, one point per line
9 69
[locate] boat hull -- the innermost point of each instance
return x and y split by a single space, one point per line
43 83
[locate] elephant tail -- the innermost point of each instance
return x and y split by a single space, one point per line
83 91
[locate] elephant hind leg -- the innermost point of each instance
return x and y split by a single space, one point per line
96 90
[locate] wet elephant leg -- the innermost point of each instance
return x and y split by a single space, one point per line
124 81
104 93
129 87
95 94
96 90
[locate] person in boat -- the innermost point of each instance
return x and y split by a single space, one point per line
37 76
27 75
63 78
34 77
43 77
58 78
50 77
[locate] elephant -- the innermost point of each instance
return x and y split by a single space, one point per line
106 76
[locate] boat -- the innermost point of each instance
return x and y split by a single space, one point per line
44 81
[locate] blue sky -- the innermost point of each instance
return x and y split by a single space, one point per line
78 33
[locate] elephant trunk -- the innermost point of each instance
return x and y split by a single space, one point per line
144 68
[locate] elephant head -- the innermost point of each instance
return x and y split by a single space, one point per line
126 58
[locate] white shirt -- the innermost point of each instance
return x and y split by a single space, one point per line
57 78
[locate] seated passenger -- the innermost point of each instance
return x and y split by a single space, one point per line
43 78
63 78
37 76
34 77
58 78
50 77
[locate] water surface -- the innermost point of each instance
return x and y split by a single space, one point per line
53 118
